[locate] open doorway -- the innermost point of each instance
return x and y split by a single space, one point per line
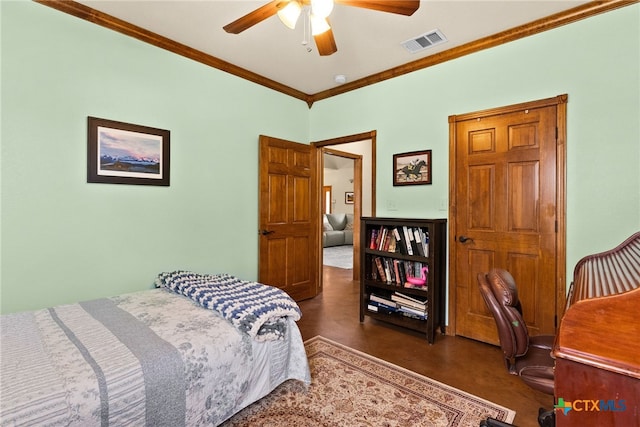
348 190
339 189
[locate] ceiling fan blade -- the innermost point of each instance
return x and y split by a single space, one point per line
325 43
252 18
401 7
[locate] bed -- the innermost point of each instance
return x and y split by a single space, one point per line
170 356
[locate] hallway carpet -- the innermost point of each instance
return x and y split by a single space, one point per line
350 388
338 256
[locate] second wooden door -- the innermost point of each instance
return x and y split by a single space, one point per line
506 213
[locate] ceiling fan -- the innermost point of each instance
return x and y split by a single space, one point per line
317 12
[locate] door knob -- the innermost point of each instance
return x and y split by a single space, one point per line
463 239
265 232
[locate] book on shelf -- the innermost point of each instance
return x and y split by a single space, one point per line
409 304
400 242
396 271
381 308
412 298
378 237
409 301
407 239
417 311
412 241
381 273
381 299
389 270
374 270
383 238
373 238
425 242
373 298
400 272
414 314
417 234
393 243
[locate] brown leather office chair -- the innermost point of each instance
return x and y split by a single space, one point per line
525 356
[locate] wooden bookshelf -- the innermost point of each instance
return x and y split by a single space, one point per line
393 252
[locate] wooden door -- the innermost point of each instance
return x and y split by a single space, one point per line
505 213
288 206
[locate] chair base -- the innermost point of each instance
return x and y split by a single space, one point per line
492 422
546 418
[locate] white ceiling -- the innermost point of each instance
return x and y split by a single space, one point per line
368 41
336 162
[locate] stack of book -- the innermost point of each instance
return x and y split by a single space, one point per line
400 303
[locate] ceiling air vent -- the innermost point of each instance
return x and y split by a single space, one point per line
424 41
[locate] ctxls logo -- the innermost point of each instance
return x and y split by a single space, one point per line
588 405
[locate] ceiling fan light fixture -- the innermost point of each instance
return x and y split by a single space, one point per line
321 8
318 25
290 13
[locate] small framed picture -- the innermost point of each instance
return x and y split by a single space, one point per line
348 197
412 168
124 153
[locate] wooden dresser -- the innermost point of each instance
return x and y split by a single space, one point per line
597 347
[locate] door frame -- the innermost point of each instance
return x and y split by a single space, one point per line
560 102
319 147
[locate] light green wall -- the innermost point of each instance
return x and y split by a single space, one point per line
595 61
65 240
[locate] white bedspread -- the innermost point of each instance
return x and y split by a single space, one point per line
146 358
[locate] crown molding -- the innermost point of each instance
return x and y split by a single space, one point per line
87 13
550 22
554 21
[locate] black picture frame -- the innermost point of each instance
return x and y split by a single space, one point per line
349 197
125 153
412 168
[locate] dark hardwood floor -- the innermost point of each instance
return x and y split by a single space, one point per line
468 365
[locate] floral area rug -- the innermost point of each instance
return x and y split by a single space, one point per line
350 388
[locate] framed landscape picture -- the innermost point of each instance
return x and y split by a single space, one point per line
412 168
124 153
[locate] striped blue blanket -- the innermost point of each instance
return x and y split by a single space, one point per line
253 308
